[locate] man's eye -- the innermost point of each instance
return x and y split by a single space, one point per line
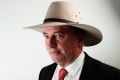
59 35
46 36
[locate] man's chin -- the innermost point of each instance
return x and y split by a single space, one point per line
56 58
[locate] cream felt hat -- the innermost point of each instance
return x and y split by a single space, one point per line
65 13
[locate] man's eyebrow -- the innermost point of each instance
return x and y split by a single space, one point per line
59 32
44 33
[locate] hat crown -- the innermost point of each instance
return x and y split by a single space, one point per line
64 10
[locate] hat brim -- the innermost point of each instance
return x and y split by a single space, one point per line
93 35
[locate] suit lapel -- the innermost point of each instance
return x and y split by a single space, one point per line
89 71
50 72
47 72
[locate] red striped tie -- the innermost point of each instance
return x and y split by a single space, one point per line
62 73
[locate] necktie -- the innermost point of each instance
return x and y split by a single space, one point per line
62 73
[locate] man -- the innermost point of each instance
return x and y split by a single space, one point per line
65 35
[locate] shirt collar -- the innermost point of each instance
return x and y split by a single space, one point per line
74 67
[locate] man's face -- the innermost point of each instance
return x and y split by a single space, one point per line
63 46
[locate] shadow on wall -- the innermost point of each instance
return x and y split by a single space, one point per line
116 6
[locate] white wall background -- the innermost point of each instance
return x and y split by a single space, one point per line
23 52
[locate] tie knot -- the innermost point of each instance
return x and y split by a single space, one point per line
62 73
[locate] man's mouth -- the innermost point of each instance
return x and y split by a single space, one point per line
55 51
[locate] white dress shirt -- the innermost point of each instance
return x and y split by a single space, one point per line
74 69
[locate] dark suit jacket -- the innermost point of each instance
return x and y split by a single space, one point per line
92 70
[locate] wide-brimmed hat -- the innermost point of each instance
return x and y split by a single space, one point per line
65 13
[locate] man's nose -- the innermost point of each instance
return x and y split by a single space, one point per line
52 42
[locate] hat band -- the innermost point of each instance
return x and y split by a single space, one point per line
56 20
